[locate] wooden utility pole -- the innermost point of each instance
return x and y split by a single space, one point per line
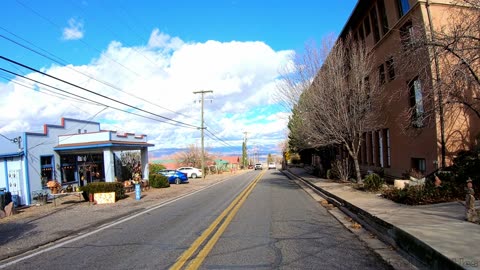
203 92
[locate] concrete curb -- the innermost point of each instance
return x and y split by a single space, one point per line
406 243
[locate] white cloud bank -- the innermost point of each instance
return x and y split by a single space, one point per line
74 30
161 77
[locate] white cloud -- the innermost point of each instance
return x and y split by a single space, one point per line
73 31
161 77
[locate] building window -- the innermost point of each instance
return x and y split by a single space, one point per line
419 164
380 148
364 149
372 148
403 7
383 16
381 74
361 34
390 69
376 30
68 168
416 102
366 24
46 168
406 34
387 145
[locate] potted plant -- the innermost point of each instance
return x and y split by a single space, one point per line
54 186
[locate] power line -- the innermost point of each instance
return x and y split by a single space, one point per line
92 92
219 139
51 93
63 63
81 40
84 98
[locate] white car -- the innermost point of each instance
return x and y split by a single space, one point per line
191 172
272 165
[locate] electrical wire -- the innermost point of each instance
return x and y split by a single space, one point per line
219 139
92 101
63 63
81 40
12 140
92 92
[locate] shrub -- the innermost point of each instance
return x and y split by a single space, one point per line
155 167
426 194
158 180
103 187
341 169
373 182
330 174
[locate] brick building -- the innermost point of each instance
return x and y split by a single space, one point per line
387 27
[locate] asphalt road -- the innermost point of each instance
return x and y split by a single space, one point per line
278 226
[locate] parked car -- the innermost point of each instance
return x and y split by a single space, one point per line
272 165
258 166
174 176
250 166
191 172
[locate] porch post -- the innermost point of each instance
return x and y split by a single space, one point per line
108 165
144 162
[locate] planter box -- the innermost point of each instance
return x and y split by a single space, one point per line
400 183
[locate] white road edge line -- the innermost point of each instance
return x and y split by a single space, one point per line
104 227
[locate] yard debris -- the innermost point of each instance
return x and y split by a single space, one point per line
355 225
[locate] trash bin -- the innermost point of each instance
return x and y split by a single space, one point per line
16 201
2 199
8 198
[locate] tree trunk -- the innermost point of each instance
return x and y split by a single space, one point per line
357 169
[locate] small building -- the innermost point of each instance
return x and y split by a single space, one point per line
74 153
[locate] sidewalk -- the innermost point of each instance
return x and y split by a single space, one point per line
436 235
37 226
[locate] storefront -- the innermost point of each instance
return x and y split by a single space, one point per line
75 159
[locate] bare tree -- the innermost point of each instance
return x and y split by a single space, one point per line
457 44
446 58
192 156
338 106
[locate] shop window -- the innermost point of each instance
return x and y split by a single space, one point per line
68 168
46 168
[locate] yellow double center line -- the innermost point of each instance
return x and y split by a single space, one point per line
227 215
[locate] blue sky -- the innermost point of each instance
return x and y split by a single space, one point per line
160 52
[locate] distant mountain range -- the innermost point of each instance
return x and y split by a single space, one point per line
218 151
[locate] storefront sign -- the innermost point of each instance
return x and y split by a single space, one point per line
102 198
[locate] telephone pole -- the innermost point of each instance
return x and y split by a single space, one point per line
203 92
244 150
